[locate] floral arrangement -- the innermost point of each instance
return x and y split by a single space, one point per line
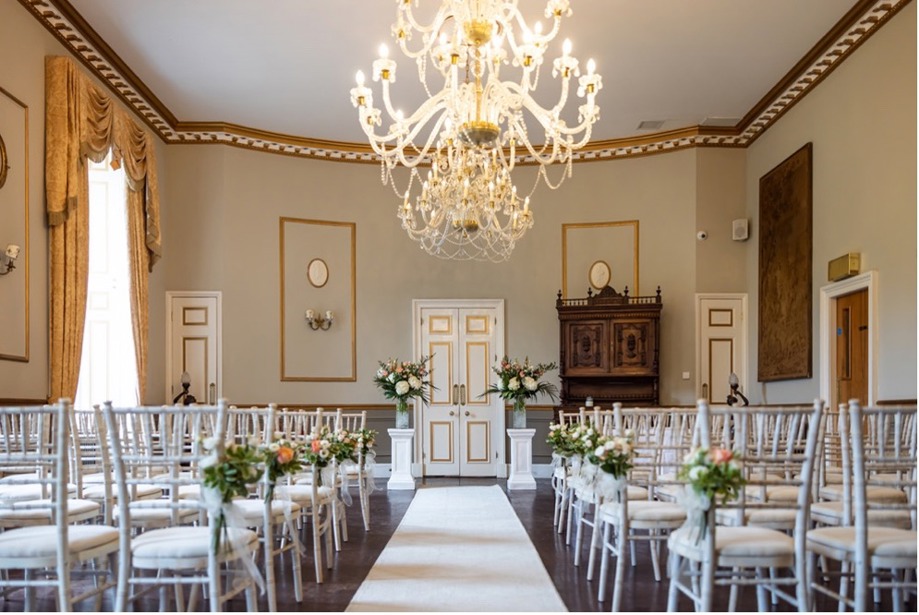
574 439
281 458
320 449
712 472
364 439
228 474
613 455
518 382
401 380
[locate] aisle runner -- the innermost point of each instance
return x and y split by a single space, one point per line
458 549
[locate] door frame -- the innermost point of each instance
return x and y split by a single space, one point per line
498 306
827 354
744 338
178 294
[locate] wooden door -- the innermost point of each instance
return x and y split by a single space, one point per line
721 346
852 347
460 428
194 345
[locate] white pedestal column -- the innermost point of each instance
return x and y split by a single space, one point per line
521 472
401 478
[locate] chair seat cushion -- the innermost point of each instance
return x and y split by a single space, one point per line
146 516
775 518
33 491
303 493
253 510
97 491
830 513
882 541
647 511
185 542
34 511
41 541
737 542
873 493
775 493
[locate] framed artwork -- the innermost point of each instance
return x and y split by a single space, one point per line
317 272
599 254
785 269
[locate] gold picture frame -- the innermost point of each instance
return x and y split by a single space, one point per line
584 242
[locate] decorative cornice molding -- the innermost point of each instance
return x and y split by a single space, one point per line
63 20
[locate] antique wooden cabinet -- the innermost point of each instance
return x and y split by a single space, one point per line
609 349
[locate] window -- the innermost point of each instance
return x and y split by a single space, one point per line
108 368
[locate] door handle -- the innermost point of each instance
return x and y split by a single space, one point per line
467 413
463 395
455 394
452 413
705 391
212 393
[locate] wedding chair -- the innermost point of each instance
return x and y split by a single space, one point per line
273 516
621 517
176 555
315 500
710 555
561 475
874 552
362 471
47 554
78 510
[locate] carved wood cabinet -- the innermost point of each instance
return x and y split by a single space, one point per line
609 349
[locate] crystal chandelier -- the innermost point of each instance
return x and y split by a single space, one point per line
472 131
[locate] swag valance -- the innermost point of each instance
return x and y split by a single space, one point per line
84 121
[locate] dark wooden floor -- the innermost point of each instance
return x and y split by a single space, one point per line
535 510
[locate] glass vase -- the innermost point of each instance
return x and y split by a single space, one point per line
519 414
402 416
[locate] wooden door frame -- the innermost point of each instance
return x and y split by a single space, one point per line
744 338
417 306
827 355
178 294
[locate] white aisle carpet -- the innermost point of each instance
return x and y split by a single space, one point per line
458 549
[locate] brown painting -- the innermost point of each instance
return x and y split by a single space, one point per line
785 266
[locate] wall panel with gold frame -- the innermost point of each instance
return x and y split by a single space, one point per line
310 355
14 228
598 252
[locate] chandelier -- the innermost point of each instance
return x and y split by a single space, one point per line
472 131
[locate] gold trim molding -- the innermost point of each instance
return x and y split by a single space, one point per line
60 18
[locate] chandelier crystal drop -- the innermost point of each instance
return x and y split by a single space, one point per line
473 129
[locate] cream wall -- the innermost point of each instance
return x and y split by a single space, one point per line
238 196
862 122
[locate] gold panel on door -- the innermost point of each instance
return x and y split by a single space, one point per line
194 315
476 383
441 437
477 323
441 362
483 434
720 318
440 325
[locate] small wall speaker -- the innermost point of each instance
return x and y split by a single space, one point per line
741 230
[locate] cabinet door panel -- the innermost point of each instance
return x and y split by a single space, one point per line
588 344
633 347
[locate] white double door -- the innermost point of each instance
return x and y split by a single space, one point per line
461 429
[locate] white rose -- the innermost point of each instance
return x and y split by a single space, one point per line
500 385
600 451
697 472
210 460
529 384
392 377
414 382
210 443
513 384
402 387
273 447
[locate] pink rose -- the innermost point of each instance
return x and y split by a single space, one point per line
315 445
721 455
285 454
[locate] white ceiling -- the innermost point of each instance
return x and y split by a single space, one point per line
287 66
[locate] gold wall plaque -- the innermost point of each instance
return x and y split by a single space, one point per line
844 267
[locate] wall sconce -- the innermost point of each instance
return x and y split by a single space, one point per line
317 321
7 258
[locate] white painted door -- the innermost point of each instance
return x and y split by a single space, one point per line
193 345
721 344
461 430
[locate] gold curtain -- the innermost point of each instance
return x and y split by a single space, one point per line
83 121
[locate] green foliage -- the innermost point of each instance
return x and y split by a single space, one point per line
712 472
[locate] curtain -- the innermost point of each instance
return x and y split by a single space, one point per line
82 121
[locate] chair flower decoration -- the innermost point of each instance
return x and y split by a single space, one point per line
281 458
709 473
612 460
229 469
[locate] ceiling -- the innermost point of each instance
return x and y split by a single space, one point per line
281 71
